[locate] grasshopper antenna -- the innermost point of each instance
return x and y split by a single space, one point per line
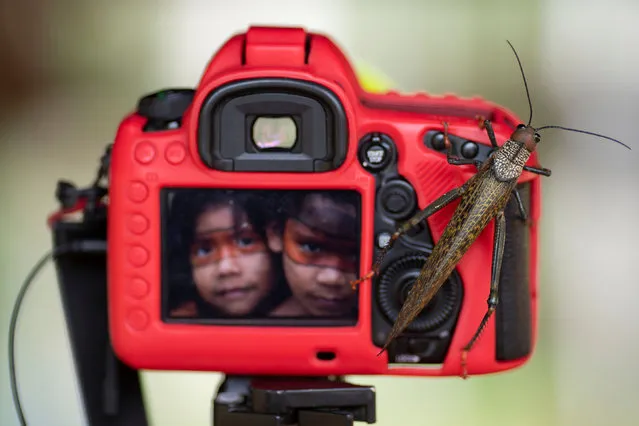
584 131
521 68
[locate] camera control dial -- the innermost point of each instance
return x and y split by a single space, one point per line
375 151
165 108
395 282
398 199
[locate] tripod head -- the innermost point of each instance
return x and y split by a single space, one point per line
279 401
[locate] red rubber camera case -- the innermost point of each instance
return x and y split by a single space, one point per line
143 162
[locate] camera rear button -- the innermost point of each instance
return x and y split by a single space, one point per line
382 239
138 192
375 151
469 149
397 199
395 202
438 142
138 319
138 288
375 155
144 152
138 224
138 256
175 153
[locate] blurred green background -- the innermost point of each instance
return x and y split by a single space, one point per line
70 70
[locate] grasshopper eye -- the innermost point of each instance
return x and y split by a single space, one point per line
521 126
537 137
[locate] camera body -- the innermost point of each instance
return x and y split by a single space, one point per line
278 119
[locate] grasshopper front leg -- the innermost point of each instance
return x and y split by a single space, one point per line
499 240
539 171
485 124
422 215
456 161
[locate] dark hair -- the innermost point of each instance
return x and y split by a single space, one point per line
291 203
183 210
185 207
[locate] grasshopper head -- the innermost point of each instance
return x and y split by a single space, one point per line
527 136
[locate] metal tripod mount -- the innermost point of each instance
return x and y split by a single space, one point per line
282 401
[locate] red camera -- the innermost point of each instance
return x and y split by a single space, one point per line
239 213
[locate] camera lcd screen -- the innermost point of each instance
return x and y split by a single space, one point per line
271 257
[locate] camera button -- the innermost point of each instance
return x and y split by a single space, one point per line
398 199
375 151
138 256
382 239
376 155
438 141
138 192
138 224
166 105
144 152
395 202
469 150
175 153
138 319
138 288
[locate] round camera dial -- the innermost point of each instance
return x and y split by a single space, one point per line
375 151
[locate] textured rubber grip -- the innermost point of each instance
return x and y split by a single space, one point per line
513 317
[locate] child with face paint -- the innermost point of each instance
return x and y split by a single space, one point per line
318 235
233 272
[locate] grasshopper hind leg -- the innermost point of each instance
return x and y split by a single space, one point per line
493 298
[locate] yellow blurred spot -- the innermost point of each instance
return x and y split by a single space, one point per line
372 79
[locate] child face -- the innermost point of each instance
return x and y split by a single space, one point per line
321 256
232 267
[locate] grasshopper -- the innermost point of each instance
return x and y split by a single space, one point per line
483 198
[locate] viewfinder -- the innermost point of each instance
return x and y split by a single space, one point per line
274 133
272 125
